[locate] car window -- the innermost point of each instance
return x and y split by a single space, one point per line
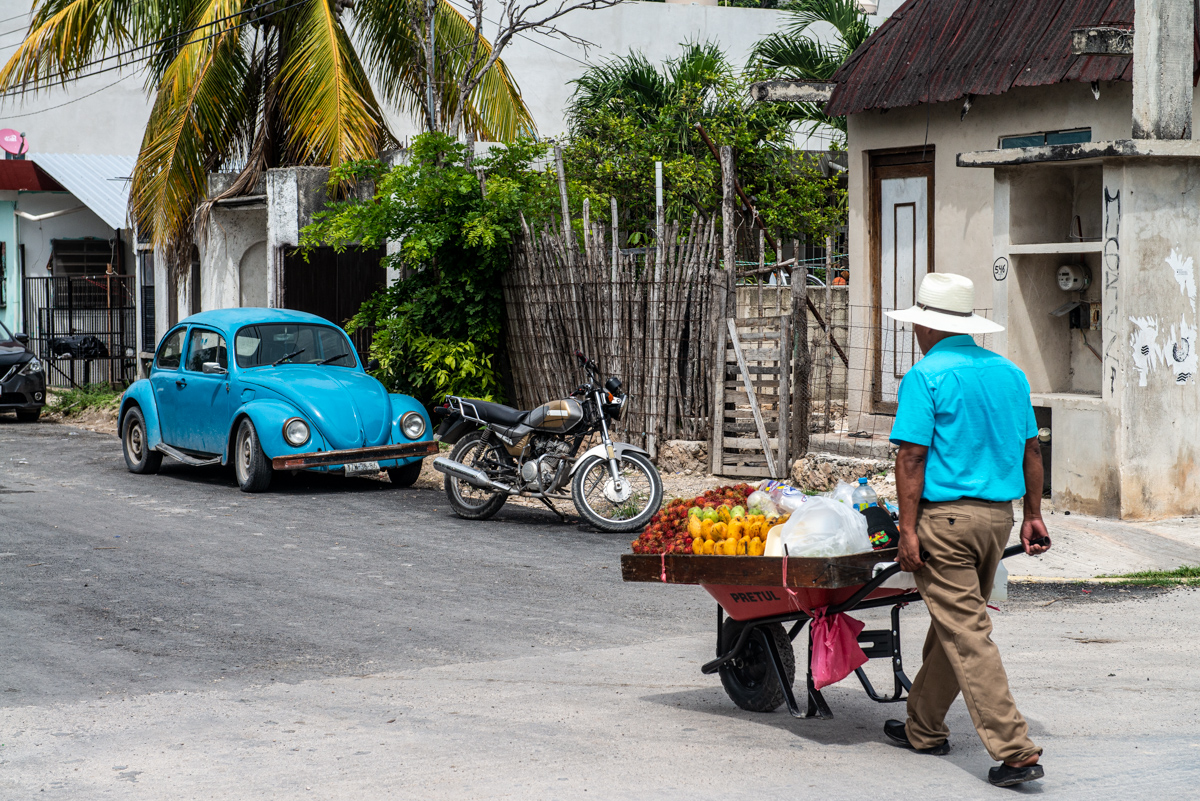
5 334
206 346
258 345
170 350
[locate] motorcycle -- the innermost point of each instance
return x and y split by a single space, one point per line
500 451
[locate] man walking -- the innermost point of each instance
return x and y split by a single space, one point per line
968 448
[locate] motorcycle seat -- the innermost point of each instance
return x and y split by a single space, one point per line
496 412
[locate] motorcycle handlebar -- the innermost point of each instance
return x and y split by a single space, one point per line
586 362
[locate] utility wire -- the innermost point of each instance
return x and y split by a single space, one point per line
69 102
73 73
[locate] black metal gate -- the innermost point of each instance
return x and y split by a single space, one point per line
83 327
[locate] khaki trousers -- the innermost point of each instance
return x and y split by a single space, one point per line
965 540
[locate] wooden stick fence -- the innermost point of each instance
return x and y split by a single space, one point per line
645 317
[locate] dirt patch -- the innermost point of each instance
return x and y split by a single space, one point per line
101 421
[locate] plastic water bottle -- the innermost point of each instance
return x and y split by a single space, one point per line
864 497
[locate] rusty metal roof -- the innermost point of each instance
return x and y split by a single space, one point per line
942 50
24 175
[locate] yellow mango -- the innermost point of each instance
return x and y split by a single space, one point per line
756 547
730 547
697 546
736 528
720 531
693 526
754 529
741 547
781 520
723 514
708 547
706 529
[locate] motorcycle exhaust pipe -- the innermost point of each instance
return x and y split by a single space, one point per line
470 475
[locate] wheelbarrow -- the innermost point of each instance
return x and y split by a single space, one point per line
759 596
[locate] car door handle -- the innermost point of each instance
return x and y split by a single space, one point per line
181 382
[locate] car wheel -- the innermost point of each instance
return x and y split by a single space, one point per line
251 465
139 458
405 475
29 417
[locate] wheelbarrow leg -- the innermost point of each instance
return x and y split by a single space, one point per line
780 674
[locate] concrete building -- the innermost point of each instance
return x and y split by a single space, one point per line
1002 156
68 261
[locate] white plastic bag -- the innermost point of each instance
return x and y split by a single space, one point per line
823 527
843 493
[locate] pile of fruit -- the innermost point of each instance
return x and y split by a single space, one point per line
724 521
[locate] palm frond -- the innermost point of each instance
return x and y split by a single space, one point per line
330 110
391 53
846 16
64 35
197 109
785 56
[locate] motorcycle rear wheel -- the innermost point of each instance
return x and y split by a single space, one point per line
610 508
469 502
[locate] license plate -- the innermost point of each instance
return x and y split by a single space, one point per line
362 468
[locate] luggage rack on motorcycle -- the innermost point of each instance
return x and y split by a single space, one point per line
460 405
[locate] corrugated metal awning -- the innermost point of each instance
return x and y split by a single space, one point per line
934 51
100 182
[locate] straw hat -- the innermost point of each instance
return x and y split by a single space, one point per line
946 302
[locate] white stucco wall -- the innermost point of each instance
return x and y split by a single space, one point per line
111 121
236 238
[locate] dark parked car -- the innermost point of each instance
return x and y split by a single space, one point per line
22 377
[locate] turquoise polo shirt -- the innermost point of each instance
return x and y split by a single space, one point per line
971 408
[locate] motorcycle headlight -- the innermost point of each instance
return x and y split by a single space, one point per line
295 431
32 366
413 425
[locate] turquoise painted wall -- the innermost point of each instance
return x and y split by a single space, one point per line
11 312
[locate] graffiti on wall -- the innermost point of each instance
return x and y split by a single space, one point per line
1178 351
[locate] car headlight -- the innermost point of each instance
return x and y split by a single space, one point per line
413 425
32 366
295 431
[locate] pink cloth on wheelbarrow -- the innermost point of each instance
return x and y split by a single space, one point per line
835 649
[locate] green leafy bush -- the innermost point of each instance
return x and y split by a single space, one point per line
438 328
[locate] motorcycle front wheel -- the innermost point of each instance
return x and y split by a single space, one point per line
618 507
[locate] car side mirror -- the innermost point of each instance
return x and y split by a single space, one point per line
372 364
22 338
214 368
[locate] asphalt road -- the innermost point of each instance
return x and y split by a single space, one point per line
170 637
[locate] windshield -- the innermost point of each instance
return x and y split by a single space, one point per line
5 335
291 343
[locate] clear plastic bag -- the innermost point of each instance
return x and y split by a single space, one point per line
824 527
843 493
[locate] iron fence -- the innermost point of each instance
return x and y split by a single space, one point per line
83 327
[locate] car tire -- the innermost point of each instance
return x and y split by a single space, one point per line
135 444
405 475
250 464
27 416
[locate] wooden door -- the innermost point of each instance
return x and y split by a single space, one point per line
902 249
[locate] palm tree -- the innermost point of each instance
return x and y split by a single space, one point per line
258 84
796 54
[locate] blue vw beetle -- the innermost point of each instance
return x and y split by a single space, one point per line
291 394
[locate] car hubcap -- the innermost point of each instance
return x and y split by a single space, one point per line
135 442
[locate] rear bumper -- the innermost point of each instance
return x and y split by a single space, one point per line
382 453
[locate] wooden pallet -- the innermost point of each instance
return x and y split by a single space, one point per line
750 438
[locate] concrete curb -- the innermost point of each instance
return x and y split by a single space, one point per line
1077 580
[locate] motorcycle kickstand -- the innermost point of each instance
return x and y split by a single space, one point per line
561 517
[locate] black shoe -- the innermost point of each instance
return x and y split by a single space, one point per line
1006 776
894 729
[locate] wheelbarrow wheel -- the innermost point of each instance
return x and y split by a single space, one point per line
749 678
